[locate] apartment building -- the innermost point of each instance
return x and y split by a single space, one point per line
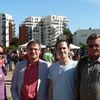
30 29
53 26
80 36
45 29
7 29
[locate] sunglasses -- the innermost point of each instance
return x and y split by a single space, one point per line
1 53
91 46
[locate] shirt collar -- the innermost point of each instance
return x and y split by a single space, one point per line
36 63
97 61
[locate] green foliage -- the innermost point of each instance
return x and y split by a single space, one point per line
14 42
83 46
13 48
68 33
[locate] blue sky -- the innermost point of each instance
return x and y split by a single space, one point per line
82 14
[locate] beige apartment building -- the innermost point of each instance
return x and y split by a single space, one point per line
45 29
7 29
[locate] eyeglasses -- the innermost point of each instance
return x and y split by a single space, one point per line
31 49
91 46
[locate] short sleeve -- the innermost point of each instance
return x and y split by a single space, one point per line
50 73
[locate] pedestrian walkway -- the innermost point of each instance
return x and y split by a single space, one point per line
8 84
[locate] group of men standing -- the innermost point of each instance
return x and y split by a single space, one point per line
66 79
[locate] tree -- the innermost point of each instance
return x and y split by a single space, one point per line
13 48
13 45
14 42
68 33
83 46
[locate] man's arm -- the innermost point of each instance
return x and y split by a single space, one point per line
50 89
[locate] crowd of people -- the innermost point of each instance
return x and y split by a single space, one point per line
52 75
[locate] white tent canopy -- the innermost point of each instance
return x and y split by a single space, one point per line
24 46
72 46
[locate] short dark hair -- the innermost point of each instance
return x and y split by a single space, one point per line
34 42
62 38
93 36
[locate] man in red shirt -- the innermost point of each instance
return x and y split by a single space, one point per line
29 81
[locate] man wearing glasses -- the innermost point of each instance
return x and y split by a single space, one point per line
88 71
29 81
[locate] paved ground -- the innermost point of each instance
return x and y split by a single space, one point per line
8 84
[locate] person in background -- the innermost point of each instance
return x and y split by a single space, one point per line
15 57
9 60
21 56
71 53
48 56
88 71
61 74
29 80
3 72
77 55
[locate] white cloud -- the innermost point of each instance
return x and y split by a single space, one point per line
95 2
